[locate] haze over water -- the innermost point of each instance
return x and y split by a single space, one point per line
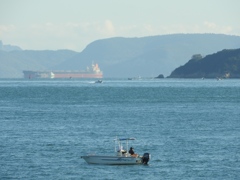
190 127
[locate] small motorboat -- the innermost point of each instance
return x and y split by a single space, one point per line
121 157
98 81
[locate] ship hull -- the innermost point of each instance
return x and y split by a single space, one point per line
93 72
77 75
59 75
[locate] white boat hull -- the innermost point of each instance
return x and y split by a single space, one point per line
112 160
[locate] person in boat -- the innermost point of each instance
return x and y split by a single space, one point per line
131 151
122 150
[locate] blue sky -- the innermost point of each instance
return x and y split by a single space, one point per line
73 24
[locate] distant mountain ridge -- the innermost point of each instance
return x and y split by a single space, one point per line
223 64
148 56
9 47
121 57
14 62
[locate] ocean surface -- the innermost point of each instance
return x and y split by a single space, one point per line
191 127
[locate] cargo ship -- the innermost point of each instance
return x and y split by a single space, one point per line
93 72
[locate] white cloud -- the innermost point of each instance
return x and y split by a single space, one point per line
210 25
6 29
205 27
100 29
109 28
215 28
148 28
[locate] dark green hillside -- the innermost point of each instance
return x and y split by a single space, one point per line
223 64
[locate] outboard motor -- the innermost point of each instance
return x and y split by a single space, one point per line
145 158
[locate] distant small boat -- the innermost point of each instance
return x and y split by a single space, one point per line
135 78
121 157
98 81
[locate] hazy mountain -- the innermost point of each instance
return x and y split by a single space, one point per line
223 64
9 47
14 62
121 57
147 56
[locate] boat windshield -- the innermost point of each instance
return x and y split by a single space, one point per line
119 144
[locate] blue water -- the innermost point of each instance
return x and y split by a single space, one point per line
190 127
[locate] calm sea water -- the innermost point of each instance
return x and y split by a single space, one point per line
190 127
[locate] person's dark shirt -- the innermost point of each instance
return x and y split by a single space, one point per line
131 151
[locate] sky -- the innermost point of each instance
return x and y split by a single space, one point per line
73 24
